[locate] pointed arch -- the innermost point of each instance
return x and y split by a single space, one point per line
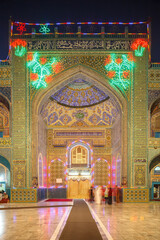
5 162
82 143
154 162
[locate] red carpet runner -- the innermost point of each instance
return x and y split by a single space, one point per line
80 224
59 200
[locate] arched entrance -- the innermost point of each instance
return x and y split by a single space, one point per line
79 158
4 174
59 124
154 169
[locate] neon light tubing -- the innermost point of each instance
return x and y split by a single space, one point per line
139 46
41 68
118 69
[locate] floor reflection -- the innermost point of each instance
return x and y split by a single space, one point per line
36 224
123 221
131 221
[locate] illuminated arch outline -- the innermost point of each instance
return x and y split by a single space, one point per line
87 146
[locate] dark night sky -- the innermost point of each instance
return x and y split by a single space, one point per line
61 11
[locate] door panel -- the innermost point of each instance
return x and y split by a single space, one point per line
78 189
84 189
72 189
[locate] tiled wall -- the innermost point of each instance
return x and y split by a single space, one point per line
132 195
24 195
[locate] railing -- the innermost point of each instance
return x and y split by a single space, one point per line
155 65
77 35
4 63
81 29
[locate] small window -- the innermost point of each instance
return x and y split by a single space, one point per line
79 155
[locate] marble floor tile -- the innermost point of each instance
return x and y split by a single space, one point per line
123 221
137 221
27 224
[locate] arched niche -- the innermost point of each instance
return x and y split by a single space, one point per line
57 176
155 119
5 171
102 173
70 150
4 117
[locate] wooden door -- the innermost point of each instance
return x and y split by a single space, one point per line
72 189
84 189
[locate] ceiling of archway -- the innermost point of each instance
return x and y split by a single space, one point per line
79 93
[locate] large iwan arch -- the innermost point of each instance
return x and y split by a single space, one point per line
61 80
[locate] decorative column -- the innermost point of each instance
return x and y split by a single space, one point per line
19 123
140 122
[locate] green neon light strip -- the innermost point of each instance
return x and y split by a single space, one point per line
139 51
119 69
20 51
42 70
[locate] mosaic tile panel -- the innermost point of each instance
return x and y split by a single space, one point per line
154 75
19 113
152 96
108 138
4 120
6 91
5 82
154 143
99 151
49 137
19 174
131 195
57 172
154 85
59 142
101 115
140 112
101 172
140 175
5 142
5 73
79 93
99 142
24 195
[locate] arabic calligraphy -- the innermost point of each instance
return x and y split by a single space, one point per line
79 45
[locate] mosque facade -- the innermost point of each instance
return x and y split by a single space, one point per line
79 106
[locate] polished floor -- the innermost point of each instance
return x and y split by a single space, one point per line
122 221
